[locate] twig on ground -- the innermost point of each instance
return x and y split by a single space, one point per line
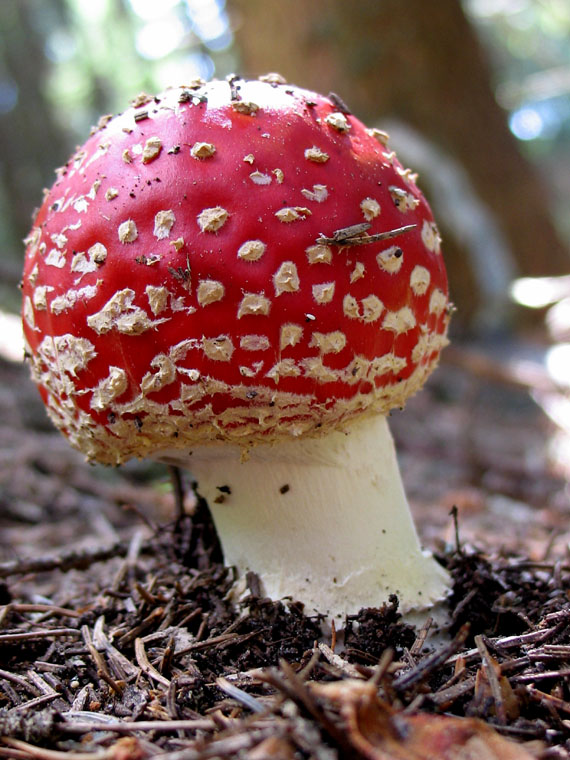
430 663
80 559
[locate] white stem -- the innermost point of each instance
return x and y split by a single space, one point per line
324 520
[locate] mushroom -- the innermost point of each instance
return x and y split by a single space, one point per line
240 278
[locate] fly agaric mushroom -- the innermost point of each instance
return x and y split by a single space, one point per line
240 278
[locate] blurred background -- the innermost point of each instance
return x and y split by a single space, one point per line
476 97
475 94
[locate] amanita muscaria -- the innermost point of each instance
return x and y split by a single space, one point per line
240 278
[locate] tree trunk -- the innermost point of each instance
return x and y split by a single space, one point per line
31 143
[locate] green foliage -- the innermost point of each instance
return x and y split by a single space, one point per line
108 51
528 44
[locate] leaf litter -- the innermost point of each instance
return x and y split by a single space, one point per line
120 637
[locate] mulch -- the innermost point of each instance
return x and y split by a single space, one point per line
120 637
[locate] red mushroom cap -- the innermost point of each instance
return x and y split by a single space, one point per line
215 264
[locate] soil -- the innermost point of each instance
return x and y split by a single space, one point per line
119 637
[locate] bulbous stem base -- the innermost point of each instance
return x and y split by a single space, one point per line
324 521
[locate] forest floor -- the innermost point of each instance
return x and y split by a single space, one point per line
118 640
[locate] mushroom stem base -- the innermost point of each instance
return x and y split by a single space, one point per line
324 521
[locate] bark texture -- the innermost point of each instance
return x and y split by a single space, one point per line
31 142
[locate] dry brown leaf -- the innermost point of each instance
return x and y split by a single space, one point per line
273 748
378 732
484 695
126 748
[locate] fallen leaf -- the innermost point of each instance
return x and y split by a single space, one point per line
379 732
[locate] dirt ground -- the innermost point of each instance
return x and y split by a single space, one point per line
147 634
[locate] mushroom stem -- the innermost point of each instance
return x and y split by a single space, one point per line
323 520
